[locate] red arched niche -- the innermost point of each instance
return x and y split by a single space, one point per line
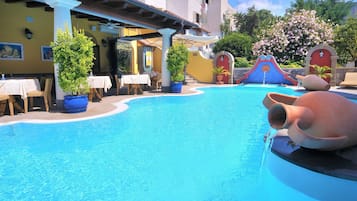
226 60
223 60
322 55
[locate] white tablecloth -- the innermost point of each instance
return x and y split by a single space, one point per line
102 82
19 86
135 79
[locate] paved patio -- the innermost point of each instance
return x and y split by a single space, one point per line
109 104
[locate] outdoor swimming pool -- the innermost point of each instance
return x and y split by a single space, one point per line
206 147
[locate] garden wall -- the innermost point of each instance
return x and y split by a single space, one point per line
340 72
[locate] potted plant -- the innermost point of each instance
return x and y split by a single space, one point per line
74 54
322 71
220 72
177 58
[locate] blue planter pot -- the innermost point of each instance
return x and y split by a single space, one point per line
75 104
175 87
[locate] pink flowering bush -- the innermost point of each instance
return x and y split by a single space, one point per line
291 38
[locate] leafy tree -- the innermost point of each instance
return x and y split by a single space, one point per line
226 26
265 20
238 44
291 38
247 23
328 10
346 40
252 22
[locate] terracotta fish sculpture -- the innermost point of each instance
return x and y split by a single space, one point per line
317 120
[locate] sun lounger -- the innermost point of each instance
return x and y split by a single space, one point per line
350 80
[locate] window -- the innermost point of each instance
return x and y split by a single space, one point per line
197 17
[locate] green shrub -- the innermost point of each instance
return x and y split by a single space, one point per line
74 54
177 58
241 62
292 64
238 44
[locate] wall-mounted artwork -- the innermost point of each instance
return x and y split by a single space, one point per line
11 51
46 53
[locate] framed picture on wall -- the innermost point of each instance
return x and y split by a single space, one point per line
46 53
11 51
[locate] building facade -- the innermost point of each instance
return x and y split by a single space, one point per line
209 14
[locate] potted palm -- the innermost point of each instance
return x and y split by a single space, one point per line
220 72
322 71
74 54
177 58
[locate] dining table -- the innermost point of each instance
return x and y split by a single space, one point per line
97 85
135 81
19 87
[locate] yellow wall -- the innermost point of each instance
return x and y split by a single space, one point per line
157 59
13 22
200 68
136 45
98 36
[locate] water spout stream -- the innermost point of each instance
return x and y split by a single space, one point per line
268 141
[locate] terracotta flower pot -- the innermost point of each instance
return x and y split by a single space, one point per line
219 79
317 120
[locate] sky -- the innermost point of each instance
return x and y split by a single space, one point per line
277 7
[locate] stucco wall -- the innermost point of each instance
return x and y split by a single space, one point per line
14 18
200 68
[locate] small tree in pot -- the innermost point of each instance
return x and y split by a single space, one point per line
74 54
220 72
177 58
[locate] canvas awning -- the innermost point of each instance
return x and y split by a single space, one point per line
188 40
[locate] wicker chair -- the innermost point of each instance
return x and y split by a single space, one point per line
156 81
10 101
46 94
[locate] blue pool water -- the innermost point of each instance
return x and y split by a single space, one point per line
206 147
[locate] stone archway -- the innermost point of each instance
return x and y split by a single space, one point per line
322 55
226 60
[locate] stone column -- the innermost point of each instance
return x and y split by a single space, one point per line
333 70
307 65
63 21
166 43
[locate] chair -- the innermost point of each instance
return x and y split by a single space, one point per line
46 94
156 81
117 82
350 80
10 100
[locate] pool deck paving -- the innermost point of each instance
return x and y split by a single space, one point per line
110 103
113 103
